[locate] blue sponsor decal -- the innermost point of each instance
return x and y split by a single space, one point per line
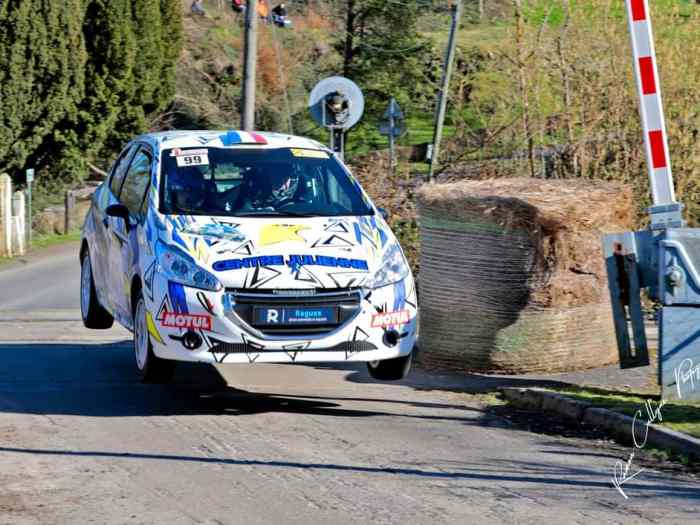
178 239
249 262
293 261
399 295
177 297
358 232
383 237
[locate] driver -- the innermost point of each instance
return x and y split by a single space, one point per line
189 190
269 189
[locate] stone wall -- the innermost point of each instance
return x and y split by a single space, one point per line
53 219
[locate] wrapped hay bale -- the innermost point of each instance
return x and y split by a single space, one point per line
512 274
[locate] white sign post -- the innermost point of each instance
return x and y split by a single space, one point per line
30 179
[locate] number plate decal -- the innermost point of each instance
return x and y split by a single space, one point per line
295 316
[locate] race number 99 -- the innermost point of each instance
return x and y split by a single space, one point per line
192 160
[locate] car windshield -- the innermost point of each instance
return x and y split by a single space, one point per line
251 182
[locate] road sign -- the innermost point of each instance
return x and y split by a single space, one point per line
392 127
393 110
386 129
30 175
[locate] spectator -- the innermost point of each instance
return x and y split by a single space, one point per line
280 11
197 8
263 11
279 16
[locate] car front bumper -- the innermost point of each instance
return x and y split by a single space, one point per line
188 324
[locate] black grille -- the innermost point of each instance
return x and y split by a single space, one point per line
346 301
349 347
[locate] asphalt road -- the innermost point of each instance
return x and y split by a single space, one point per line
82 441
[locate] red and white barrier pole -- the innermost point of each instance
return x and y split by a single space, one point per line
650 105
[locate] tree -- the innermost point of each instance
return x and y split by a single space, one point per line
109 86
78 78
42 60
383 52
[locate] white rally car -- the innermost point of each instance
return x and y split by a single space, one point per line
236 247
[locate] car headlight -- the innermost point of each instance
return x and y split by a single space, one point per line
393 269
179 267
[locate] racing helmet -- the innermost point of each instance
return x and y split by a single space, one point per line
283 184
188 188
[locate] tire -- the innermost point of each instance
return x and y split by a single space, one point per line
151 368
391 369
94 315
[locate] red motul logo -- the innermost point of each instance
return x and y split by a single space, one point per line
173 320
390 318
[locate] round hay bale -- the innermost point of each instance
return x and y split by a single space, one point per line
512 274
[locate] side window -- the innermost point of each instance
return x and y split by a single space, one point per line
119 170
136 182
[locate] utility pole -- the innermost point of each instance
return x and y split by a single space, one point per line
444 90
250 50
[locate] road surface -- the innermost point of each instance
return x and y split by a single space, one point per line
82 441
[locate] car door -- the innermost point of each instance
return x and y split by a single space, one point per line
123 248
106 196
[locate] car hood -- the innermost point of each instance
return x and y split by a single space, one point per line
282 252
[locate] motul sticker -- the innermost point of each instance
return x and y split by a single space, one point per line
173 320
389 319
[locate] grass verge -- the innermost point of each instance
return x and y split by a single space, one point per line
683 417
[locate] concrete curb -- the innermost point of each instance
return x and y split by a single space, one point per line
617 425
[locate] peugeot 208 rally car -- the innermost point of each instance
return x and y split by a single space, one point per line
236 247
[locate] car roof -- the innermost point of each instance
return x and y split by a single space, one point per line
225 138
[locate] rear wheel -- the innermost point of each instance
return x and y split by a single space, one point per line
391 369
93 314
151 368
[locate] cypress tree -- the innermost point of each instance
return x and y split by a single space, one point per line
171 44
148 65
42 59
110 46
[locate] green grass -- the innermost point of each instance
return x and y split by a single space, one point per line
681 417
45 241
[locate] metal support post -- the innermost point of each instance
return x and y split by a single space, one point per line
249 63
445 89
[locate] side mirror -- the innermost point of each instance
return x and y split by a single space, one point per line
384 213
120 211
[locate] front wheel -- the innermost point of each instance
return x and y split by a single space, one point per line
151 368
391 369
